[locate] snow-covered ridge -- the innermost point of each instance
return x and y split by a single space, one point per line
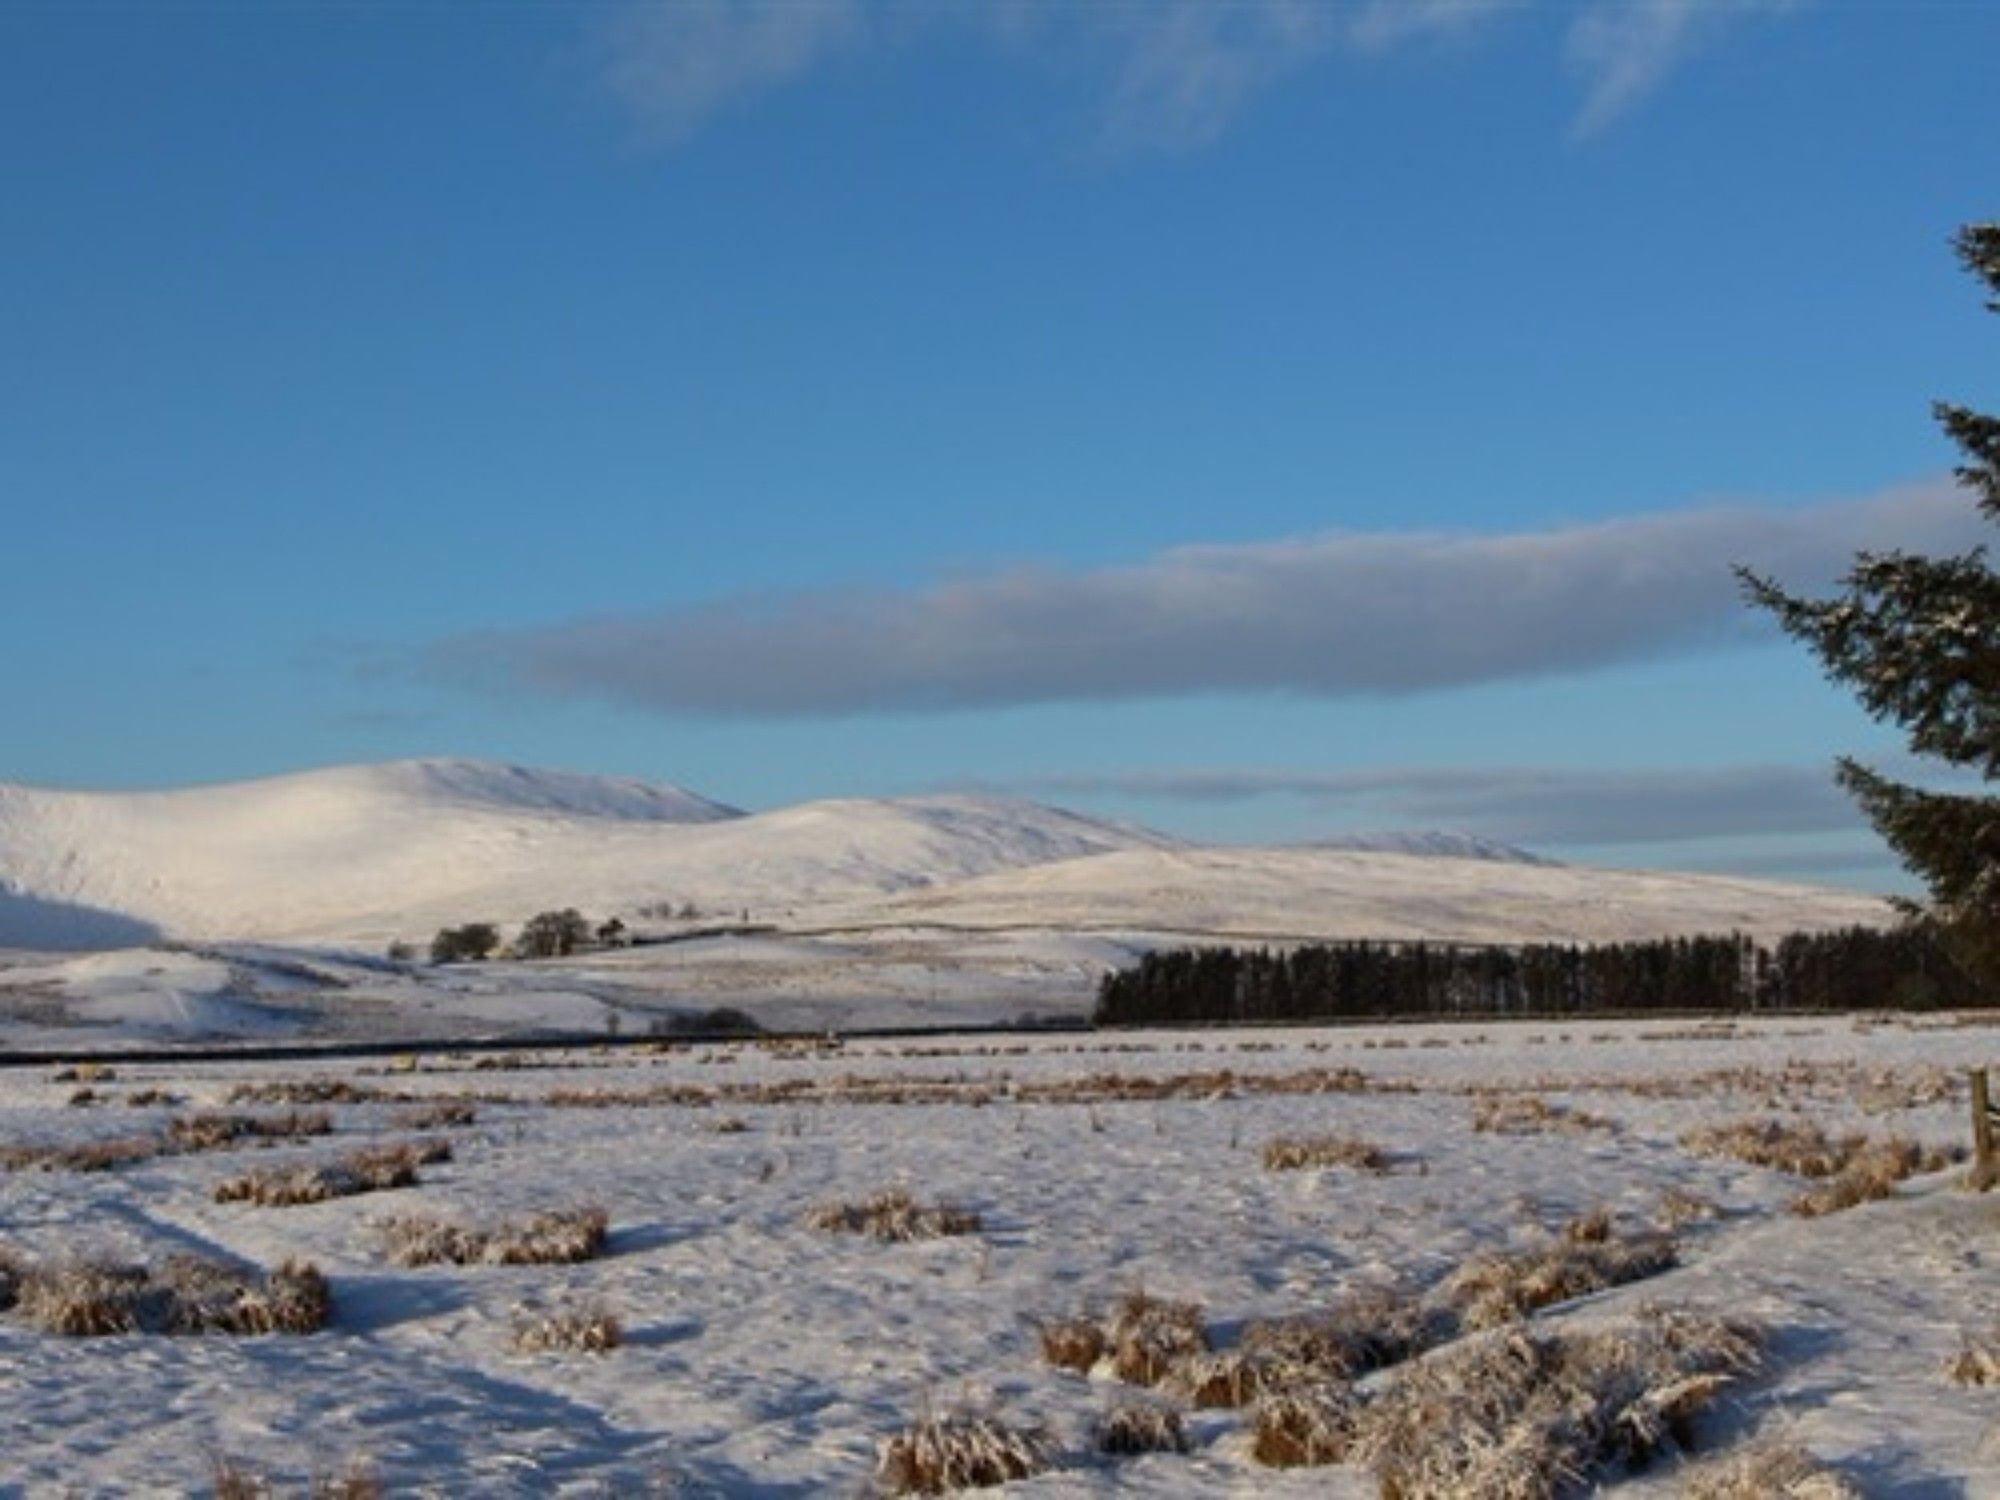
364 853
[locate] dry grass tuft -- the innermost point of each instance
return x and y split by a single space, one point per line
1305 1426
183 1295
1528 1416
1870 1175
1134 1427
443 1114
1529 1114
83 1156
1315 1152
1149 1335
231 1479
376 1169
1798 1147
563 1237
1977 1363
959 1451
1679 1208
1073 1343
581 1330
214 1132
1769 1471
894 1216
305 1091
1497 1288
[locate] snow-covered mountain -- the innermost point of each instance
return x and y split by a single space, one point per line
364 853
356 856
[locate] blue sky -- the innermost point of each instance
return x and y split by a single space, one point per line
1258 419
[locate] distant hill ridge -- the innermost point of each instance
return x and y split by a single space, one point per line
353 856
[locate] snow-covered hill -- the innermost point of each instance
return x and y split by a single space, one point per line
357 856
364 853
1331 894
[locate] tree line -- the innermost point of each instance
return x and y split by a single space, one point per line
1859 968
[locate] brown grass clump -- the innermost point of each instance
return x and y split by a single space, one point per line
1304 1426
1977 1362
1149 1335
1134 1427
84 1156
1498 1287
559 1238
1300 1153
231 1479
183 1295
444 1114
213 1132
580 1330
960 1451
1679 1208
1529 1114
1798 1147
894 1216
373 1170
305 1091
1073 1343
1525 1416
1870 1175
1769 1471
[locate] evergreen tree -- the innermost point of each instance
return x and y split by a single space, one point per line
1918 640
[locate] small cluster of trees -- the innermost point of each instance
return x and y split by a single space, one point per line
548 934
1857 969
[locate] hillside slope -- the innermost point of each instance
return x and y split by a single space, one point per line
363 853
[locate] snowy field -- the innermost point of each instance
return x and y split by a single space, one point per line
762 1356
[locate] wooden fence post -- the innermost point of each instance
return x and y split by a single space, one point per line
1983 1165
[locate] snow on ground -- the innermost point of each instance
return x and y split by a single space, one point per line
767 1359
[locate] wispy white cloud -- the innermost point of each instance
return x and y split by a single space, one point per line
1334 616
674 65
1175 74
1626 48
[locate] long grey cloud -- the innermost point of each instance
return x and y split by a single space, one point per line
1345 615
1529 806
1174 73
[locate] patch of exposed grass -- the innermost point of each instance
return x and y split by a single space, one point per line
1530 1114
1503 1287
1073 1343
593 1329
563 1237
372 1170
184 1294
1977 1362
1134 1427
216 1131
83 1156
1516 1414
1768 1470
1147 1336
1304 1426
1796 1146
442 1114
963 1450
232 1479
893 1215
1870 1175
1316 1152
